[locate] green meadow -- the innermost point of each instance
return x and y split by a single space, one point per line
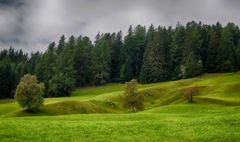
95 114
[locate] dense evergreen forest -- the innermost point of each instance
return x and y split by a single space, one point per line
149 55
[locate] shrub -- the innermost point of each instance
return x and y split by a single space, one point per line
29 93
190 92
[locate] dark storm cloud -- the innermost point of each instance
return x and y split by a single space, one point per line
11 2
32 24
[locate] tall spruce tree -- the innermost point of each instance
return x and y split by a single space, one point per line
102 60
46 65
82 58
213 48
155 65
191 52
61 44
126 72
115 50
139 45
177 51
205 36
226 50
128 53
62 82
8 79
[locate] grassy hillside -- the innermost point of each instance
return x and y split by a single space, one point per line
166 124
95 114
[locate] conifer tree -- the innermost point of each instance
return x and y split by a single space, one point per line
101 54
139 45
128 58
213 48
126 72
61 44
191 52
155 65
177 51
8 79
116 48
227 49
82 58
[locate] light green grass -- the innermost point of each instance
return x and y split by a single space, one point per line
173 123
95 114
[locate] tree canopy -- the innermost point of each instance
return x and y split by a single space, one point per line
148 54
29 93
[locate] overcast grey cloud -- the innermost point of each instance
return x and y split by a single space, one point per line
31 24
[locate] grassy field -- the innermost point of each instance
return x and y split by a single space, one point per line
95 114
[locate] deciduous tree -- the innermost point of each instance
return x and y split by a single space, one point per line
29 93
131 98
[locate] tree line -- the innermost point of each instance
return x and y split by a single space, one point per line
149 55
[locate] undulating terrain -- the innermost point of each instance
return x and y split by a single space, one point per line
95 114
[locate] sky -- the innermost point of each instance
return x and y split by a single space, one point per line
31 25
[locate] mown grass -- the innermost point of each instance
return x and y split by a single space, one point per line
95 114
174 123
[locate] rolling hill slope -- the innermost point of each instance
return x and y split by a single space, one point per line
214 89
95 114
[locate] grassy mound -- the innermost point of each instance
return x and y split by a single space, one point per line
221 90
65 108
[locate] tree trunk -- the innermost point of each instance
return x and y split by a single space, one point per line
133 109
29 109
190 98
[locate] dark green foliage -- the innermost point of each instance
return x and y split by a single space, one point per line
213 48
60 85
134 48
150 34
227 47
64 63
82 58
61 44
45 67
115 50
71 42
126 72
56 69
192 62
238 56
102 59
192 67
156 62
192 41
33 62
139 45
176 50
8 79
151 55
127 57
205 36
63 81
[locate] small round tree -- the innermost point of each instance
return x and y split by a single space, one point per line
131 99
190 92
29 93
